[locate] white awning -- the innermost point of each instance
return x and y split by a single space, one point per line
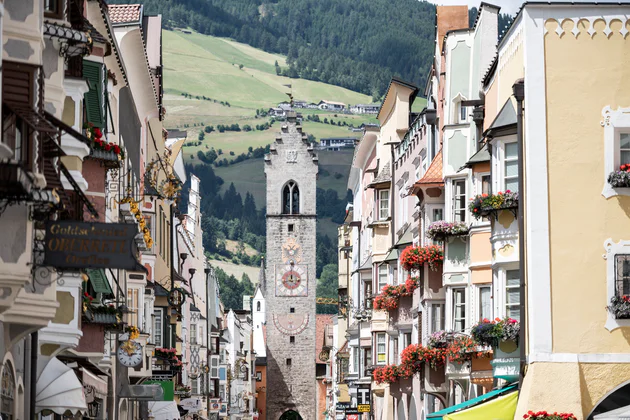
98 384
58 388
163 410
622 413
192 405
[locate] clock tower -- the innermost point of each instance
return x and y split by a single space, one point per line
290 284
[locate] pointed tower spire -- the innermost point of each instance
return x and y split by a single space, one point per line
262 280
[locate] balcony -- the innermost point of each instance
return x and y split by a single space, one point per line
64 330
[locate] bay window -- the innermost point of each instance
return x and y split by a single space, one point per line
459 200
383 204
510 167
383 274
158 315
381 349
459 309
485 303
133 304
513 294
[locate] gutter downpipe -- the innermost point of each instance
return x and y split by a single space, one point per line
519 93
33 384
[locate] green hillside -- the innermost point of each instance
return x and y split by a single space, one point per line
207 66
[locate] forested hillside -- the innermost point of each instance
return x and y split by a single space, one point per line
357 44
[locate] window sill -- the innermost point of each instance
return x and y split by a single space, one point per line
612 323
609 191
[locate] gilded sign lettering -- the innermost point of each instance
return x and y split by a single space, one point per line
70 244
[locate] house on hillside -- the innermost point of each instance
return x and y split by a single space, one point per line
299 104
276 112
311 105
285 106
365 109
332 106
335 144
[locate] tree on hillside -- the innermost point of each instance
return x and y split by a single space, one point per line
327 286
201 135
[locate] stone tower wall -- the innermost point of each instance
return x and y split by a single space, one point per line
291 387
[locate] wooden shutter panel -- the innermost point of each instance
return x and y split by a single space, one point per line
94 99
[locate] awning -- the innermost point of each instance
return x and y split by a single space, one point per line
163 410
499 408
58 389
392 256
99 282
617 414
192 405
473 402
97 384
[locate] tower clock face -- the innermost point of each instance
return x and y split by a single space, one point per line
291 280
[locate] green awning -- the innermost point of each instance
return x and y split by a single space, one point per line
167 386
406 239
472 402
99 282
392 256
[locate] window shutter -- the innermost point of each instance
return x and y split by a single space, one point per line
214 367
94 99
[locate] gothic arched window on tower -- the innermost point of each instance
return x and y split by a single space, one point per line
291 199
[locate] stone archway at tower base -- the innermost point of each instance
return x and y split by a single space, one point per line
290 415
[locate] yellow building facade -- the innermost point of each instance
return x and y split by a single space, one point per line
575 62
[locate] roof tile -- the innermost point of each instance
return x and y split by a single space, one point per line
434 173
124 13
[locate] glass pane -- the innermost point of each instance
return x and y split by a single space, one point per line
624 157
459 296
514 312
511 168
511 184
384 194
485 184
460 311
485 306
511 150
437 215
512 277
513 296
624 141
460 188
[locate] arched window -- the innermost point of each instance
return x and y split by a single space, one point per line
7 392
258 306
291 199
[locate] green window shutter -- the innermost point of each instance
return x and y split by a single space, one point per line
94 99
98 278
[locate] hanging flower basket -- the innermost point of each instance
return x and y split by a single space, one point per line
414 257
390 295
439 231
165 354
619 307
96 135
491 333
543 415
484 205
621 177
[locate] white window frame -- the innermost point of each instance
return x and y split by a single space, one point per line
356 359
463 113
194 386
479 314
498 165
440 325
194 337
453 320
158 313
499 290
615 122
137 313
612 250
381 340
382 268
504 161
505 291
382 200
453 198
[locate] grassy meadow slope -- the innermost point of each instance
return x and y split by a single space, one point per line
202 65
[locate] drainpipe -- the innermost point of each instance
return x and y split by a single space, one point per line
393 200
33 384
519 93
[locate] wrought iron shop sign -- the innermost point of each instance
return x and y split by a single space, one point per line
70 244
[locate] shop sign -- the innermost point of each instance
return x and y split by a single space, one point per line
81 245
342 406
214 405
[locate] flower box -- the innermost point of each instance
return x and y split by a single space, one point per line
543 415
415 257
484 205
440 230
491 333
390 296
619 307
